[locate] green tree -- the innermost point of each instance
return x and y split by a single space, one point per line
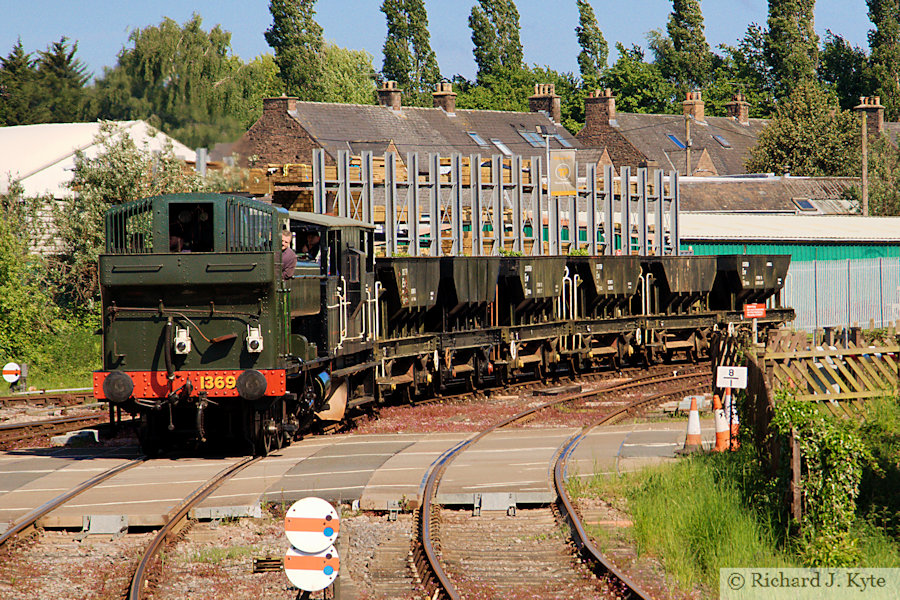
297 41
844 69
792 46
408 57
594 49
20 98
743 69
119 173
884 178
349 76
639 86
495 36
184 80
810 135
684 57
884 42
62 78
509 90
27 309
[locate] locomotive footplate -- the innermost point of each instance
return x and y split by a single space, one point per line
410 346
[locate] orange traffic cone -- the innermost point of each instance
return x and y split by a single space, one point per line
722 431
731 414
692 442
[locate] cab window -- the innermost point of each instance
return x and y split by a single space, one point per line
191 227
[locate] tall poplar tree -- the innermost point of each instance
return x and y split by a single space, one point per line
690 62
884 42
408 57
297 41
495 36
594 49
791 43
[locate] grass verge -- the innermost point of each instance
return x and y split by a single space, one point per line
712 511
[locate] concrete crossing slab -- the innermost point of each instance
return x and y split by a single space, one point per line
402 477
29 479
146 494
338 472
377 470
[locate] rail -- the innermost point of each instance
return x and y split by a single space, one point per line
580 536
138 581
32 517
432 573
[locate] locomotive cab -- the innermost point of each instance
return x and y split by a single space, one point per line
204 338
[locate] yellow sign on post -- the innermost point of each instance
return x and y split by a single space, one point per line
562 173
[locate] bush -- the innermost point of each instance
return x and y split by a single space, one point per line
27 309
834 456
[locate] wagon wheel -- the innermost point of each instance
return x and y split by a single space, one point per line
502 375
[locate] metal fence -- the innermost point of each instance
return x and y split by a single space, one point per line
843 292
485 206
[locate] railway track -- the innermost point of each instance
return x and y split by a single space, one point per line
60 398
27 522
175 525
431 547
14 433
143 572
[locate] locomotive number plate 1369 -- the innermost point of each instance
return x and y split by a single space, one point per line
220 382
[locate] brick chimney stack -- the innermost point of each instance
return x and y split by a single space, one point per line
546 100
693 106
444 97
738 109
871 105
389 95
599 109
280 104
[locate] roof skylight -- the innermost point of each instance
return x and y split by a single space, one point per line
501 146
722 141
477 138
676 141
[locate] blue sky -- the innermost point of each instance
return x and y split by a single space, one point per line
101 27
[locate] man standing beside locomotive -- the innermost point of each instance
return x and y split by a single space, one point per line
288 257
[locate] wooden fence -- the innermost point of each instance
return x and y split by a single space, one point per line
837 369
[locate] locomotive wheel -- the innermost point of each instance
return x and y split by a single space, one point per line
280 439
264 440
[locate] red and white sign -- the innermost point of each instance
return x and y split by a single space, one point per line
754 311
311 525
314 571
11 372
